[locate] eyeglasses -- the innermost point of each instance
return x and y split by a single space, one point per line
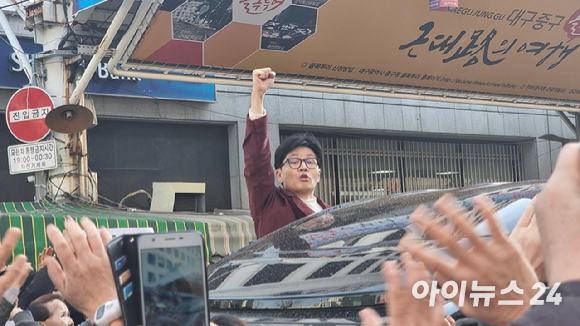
296 163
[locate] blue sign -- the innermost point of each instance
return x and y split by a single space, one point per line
78 5
104 83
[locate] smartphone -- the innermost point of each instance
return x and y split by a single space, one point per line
122 251
173 286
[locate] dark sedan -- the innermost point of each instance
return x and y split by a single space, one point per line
324 268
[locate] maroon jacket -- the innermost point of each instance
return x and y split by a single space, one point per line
271 207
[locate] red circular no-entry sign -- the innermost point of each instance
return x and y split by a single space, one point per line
25 114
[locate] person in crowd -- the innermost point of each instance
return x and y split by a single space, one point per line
50 310
526 235
490 263
39 284
557 210
500 261
85 276
297 167
46 252
84 267
13 277
401 304
10 297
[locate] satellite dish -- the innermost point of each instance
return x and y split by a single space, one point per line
69 119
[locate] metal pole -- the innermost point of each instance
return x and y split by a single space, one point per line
83 161
101 51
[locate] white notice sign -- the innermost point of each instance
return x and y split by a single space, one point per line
33 157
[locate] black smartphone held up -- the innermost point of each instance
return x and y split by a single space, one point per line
173 287
123 253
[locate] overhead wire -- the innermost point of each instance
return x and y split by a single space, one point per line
59 186
79 198
68 23
93 186
14 4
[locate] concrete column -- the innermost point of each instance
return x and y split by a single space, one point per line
64 179
236 164
530 160
274 134
577 124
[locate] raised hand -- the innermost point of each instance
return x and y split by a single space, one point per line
557 210
46 252
17 272
495 263
262 79
403 308
526 234
85 266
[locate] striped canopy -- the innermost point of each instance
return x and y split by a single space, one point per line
33 217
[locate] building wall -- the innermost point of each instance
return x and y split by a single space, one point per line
348 114
329 113
130 155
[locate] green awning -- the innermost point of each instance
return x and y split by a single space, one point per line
33 217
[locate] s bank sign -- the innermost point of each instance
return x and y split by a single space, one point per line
104 83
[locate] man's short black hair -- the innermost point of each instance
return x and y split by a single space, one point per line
295 141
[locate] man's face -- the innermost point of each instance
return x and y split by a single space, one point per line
303 180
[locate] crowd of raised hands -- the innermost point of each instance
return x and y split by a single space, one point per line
82 275
544 247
